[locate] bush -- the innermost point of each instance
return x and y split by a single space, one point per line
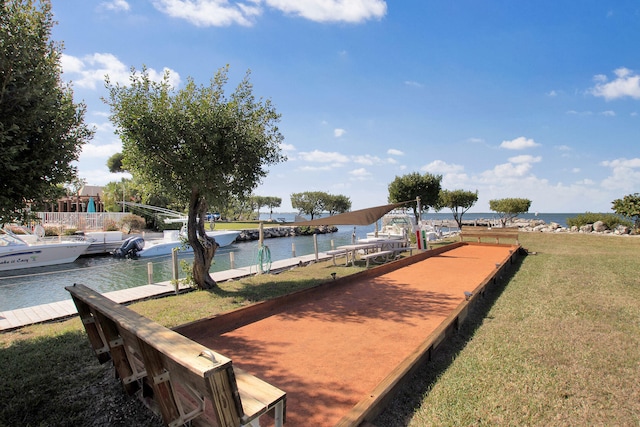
70 231
52 231
611 221
133 222
111 225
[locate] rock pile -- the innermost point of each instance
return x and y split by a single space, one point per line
284 231
597 227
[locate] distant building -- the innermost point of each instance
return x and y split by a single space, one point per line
80 202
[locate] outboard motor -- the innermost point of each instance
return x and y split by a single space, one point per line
130 247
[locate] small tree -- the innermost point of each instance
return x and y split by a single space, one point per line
629 207
114 163
409 187
459 201
268 201
337 204
509 209
309 202
197 145
41 129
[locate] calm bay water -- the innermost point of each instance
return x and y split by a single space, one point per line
25 288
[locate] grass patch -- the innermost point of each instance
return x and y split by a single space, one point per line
555 343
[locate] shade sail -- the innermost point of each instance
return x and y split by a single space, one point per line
365 216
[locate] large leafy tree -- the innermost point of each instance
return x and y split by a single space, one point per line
459 201
629 206
41 128
197 144
509 208
413 185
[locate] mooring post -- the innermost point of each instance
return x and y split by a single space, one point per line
232 261
315 245
150 272
174 269
293 250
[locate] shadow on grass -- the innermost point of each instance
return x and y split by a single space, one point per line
56 381
409 397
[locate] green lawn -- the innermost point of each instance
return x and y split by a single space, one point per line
556 343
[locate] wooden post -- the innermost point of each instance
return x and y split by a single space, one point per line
89 323
174 269
293 250
232 261
118 353
315 245
150 272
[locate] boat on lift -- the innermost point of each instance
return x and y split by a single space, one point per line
26 250
173 239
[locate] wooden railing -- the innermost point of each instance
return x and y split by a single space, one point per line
496 233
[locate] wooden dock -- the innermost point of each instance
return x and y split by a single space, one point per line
18 318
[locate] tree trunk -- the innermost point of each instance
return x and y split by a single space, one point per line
204 247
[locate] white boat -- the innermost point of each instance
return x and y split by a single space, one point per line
173 240
27 250
395 225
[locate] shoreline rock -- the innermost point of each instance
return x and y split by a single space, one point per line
283 231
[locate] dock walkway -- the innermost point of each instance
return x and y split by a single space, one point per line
18 318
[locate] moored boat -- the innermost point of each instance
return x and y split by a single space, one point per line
19 251
171 240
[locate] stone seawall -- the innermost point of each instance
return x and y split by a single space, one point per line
284 231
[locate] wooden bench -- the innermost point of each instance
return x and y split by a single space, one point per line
492 233
184 376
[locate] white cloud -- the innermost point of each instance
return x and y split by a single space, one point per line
219 13
525 159
626 83
207 13
339 132
92 69
413 84
519 143
394 152
317 156
552 94
287 147
367 159
94 151
116 5
441 167
576 170
608 113
507 170
475 140
563 148
625 174
332 10
360 174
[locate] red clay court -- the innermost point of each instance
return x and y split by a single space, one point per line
337 348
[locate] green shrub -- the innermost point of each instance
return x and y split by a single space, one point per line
111 225
610 220
51 231
70 231
133 222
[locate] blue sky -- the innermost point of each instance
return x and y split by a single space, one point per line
532 99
